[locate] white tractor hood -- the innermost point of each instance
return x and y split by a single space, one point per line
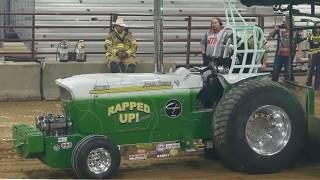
84 86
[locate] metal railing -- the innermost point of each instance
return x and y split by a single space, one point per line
187 18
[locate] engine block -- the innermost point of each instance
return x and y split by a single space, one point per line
53 125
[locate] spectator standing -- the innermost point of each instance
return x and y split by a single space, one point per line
210 40
282 53
314 51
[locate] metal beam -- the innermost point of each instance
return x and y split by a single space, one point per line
158 36
2 9
291 46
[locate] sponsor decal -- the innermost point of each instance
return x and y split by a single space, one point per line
151 153
141 151
157 84
144 146
101 87
191 150
173 108
62 139
147 86
161 148
198 143
138 157
151 150
56 147
173 146
66 145
173 152
129 112
163 155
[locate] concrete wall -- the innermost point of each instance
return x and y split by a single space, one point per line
148 67
19 81
53 70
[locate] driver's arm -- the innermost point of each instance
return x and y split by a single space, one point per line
264 61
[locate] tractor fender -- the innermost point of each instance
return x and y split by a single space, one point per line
231 80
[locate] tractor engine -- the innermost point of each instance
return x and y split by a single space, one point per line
53 125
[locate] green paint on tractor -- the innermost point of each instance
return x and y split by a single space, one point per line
254 124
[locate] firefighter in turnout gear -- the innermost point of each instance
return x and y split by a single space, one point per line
314 51
121 47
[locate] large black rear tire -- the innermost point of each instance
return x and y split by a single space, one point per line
248 124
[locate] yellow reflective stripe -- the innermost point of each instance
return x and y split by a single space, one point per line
129 52
114 51
315 38
120 46
129 89
314 50
108 42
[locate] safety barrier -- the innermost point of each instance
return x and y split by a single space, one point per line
19 81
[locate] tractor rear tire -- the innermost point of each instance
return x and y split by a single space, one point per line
95 157
259 127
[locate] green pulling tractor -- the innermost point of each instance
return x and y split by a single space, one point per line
254 124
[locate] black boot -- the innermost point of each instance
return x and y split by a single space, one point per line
114 67
131 68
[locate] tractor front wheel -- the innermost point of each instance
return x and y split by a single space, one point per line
95 157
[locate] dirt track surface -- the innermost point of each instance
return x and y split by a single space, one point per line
191 167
